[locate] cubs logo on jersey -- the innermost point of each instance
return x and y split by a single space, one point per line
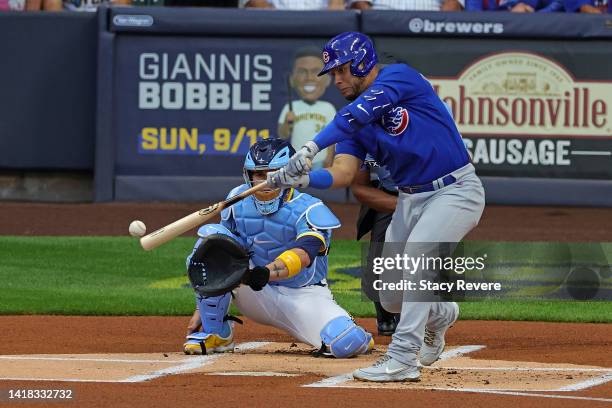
395 121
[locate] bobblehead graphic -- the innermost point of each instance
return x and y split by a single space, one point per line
303 117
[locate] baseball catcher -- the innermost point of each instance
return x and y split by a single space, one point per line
269 254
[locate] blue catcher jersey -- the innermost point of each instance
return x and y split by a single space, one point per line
401 122
266 237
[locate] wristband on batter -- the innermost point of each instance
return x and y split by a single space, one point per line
292 261
321 179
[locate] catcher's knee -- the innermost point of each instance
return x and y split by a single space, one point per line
343 338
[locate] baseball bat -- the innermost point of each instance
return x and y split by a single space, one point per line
178 227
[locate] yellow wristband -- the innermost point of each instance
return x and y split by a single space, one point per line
292 261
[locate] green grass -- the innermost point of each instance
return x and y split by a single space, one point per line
113 276
91 276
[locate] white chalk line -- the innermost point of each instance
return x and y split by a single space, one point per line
55 379
553 369
532 393
254 373
198 361
339 380
100 360
522 394
592 382
459 351
331 381
186 364
195 362
336 381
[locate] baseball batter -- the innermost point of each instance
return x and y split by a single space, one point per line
288 234
396 116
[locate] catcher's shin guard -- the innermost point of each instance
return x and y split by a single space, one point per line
213 311
217 333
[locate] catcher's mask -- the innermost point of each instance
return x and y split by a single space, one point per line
218 265
266 155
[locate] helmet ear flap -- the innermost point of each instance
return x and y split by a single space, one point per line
357 61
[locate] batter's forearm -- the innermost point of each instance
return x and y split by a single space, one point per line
342 176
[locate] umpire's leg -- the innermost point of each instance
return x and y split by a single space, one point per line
385 320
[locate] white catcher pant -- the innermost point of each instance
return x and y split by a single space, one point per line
444 215
301 312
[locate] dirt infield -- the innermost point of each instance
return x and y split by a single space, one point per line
135 361
521 364
499 223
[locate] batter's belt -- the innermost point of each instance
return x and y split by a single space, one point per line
437 184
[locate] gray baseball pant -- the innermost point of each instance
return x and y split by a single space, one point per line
443 215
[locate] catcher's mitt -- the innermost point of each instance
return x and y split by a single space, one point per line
218 265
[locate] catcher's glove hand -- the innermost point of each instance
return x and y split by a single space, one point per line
257 278
218 265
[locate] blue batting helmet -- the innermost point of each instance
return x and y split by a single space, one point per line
267 154
350 46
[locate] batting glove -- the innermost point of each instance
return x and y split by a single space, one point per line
282 179
301 162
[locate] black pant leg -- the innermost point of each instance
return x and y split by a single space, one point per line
377 238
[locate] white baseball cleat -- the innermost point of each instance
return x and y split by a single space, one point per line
387 369
433 343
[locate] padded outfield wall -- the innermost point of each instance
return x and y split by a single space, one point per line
181 93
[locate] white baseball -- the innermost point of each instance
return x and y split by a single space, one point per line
137 228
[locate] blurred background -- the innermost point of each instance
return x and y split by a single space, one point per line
159 100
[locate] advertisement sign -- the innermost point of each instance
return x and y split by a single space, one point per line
522 113
188 106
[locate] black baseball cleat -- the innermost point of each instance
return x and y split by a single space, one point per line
386 327
385 321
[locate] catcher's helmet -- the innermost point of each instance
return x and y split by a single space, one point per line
350 46
267 154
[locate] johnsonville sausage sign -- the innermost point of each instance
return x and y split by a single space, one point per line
525 114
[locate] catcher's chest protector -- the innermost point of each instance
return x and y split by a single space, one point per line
268 236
